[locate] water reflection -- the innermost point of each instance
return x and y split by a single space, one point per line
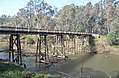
4 55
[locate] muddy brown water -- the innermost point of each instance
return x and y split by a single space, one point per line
77 66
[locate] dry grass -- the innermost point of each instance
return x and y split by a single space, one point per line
103 47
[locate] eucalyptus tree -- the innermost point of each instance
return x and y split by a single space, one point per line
115 22
98 19
85 17
26 14
66 18
36 14
23 17
109 14
30 12
44 14
4 19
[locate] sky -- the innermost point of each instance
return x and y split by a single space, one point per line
11 7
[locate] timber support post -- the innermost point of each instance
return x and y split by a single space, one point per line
62 46
74 44
46 49
38 49
54 47
42 56
15 41
11 53
81 43
67 42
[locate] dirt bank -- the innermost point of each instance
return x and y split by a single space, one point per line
103 47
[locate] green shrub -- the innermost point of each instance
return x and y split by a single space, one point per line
14 74
115 46
11 70
111 38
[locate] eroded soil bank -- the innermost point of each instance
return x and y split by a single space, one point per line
103 47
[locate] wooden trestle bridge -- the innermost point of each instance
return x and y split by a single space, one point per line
59 37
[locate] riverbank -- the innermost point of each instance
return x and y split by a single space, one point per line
12 70
102 47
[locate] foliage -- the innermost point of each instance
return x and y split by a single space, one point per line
100 18
4 19
81 29
101 38
10 70
30 40
9 67
64 18
111 38
37 14
25 74
115 46
14 74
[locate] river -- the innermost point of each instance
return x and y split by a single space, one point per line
77 66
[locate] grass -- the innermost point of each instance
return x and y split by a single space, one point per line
5 66
101 38
11 70
115 46
1 25
104 37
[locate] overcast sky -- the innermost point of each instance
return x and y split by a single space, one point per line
11 7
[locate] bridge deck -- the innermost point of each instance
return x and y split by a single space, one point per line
33 31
